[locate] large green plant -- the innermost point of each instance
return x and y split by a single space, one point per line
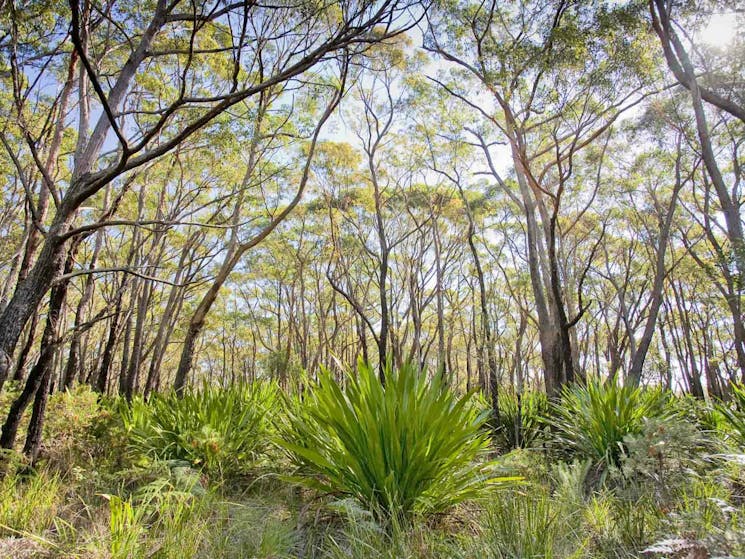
590 421
222 431
409 446
520 419
734 414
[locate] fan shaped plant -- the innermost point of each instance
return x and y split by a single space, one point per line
407 446
222 431
521 419
733 413
590 421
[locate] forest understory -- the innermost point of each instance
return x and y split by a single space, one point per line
372 278
405 471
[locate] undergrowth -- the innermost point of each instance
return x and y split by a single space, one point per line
101 490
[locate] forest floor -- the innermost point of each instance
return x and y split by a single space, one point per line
88 498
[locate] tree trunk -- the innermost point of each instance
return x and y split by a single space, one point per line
30 291
32 446
38 378
102 378
488 341
639 356
23 355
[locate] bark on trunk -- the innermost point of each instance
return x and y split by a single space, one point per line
40 373
639 356
102 378
29 293
32 446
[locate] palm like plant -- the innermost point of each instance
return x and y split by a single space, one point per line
734 414
520 419
222 431
409 446
591 421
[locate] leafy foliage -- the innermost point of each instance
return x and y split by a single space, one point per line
734 414
591 421
222 431
520 419
411 446
663 457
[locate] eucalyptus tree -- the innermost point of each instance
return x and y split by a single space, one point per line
707 241
236 246
337 191
376 121
179 67
659 238
446 152
714 78
553 79
642 177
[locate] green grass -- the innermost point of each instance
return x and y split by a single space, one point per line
523 524
28 503
82 502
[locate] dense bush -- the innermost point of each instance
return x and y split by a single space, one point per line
222 431
662 458
67 423
411 446
666 486
734 415
591 421
699 413
520 419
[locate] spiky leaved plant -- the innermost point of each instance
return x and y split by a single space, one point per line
590 421
521 419
405 447
734 415
222 431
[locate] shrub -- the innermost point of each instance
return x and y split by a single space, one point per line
68 425
525 463
734 414
221 431
662 458
520 419
408 447
591 421
699 413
